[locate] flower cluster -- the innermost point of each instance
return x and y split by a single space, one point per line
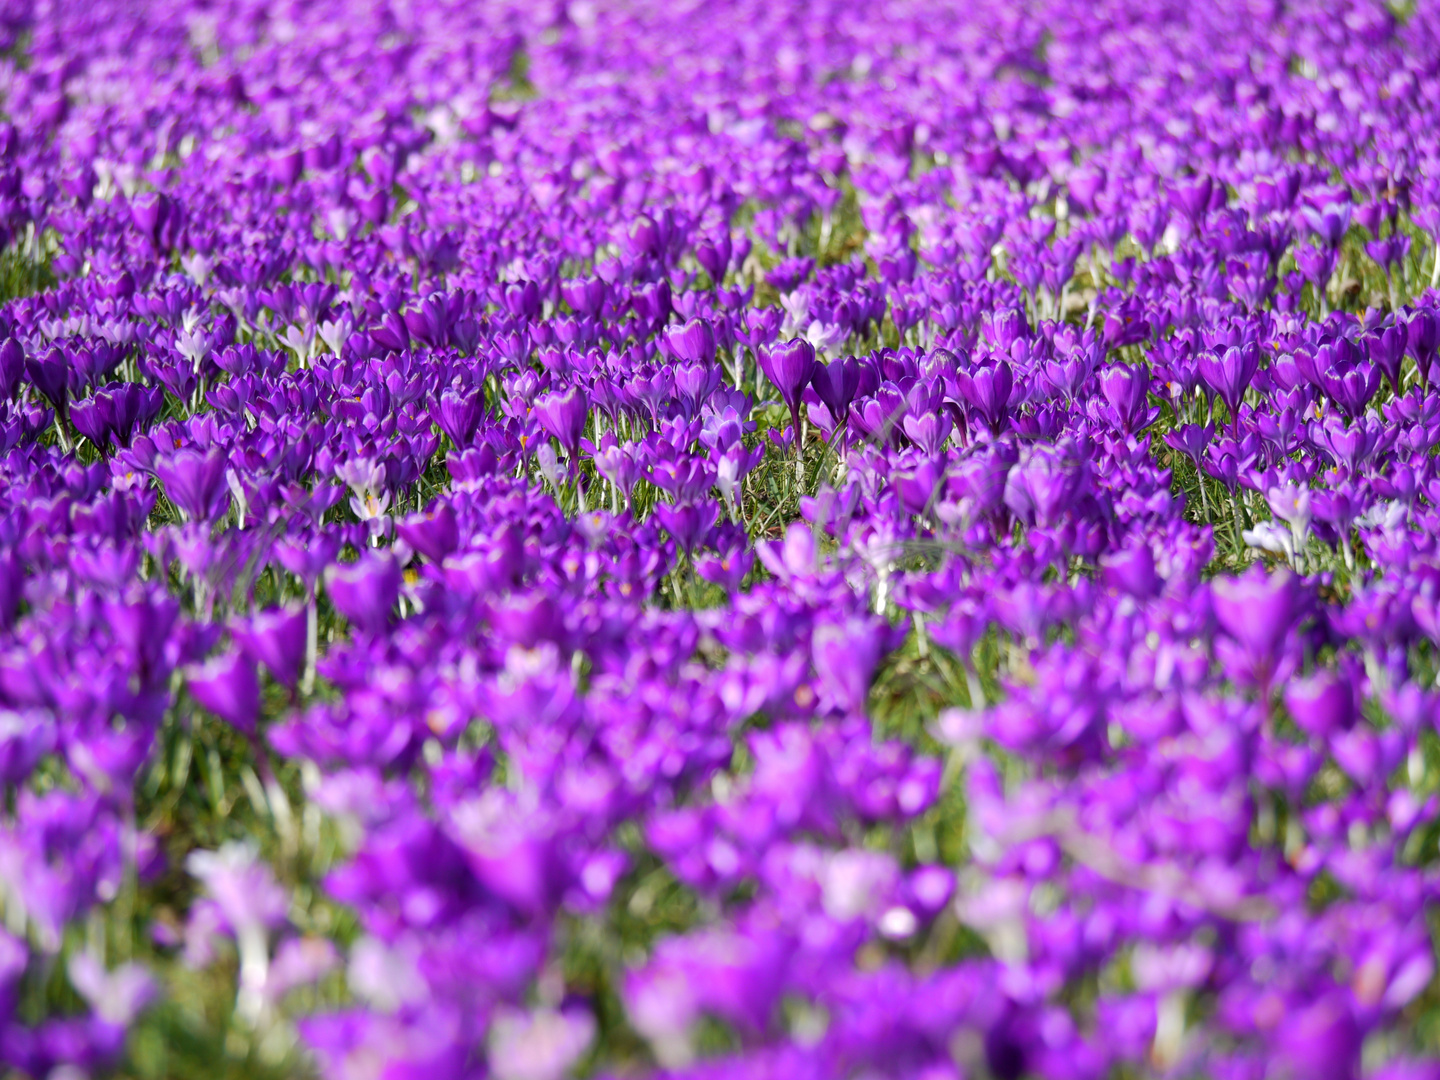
803 539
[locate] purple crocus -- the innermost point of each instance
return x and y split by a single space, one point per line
987 391
1126 392
365 591
434 534
195 482
12 367
693 342
276 639
563 416
836 384
1229 375
227 686
789 366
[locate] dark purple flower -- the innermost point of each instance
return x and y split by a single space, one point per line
692 343
365 591
1321 704
836 384
1191 440
727 570
1319 1041
563 416
789 366
1329 224
687 523
1387 352
308 558
276 639
433 534
1258 611
195 482
458 415
585 296
12 367
1422 337
1229 375
846 655
50 374
987 391
1126 391
227 686
1193 198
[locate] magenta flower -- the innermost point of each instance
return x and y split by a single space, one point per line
227 686
365 591
563 416
276 639
195 482
692 343
789 367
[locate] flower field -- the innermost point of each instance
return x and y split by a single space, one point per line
792 540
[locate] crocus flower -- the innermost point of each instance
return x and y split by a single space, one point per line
435 533
987 391
539 1046
117 996
1125 390
789 367
195 482
12 367
275 638
251 904
365 591
1229 375
694 342
1321 704
563 415
227 686
1257 611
